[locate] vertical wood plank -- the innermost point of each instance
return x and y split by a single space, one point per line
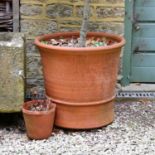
15 15
7 7
129 6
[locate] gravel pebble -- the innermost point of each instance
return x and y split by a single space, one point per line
132 133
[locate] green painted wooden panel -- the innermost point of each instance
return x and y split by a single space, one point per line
128 36
140 37
148 3
143 59
144 44
142 74
145 14
145 30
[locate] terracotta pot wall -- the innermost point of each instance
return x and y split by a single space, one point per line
80 78
81 81
39 124
81 75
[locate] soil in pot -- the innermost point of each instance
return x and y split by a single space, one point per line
39 105
39 118
74 42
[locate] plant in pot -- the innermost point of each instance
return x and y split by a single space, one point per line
80 74
39 118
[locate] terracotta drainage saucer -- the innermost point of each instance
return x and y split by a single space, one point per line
84 115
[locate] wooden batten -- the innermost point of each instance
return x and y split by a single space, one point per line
9 16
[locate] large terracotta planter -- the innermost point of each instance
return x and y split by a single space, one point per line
39 124
81 81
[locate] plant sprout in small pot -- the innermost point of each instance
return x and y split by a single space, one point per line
39 118
80 74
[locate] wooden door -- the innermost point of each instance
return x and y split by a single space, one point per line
139 53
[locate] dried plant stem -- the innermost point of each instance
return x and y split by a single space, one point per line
84 27
48 103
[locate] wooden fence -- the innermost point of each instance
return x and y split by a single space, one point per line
9 15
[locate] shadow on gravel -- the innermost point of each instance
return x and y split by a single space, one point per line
12 120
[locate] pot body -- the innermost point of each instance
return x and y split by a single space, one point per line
39 124
78 77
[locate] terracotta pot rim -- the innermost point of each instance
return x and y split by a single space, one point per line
120 42
24 110
83 103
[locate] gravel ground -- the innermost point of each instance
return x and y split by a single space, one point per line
132 133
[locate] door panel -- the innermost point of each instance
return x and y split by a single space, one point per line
144 30
145 14
146 3
143 44
139 53
141 60
143 74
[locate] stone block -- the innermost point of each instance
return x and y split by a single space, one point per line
79 11
70 25
71 22
30 47
104 12
64 28
111 27
11 72
57 9
106 1
33 1
33 67
93 26
114 1
38 27
30 10
36 85
97 1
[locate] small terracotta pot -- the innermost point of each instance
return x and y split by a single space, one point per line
39 124
81 81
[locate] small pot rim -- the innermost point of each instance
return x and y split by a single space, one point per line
24 110
120 42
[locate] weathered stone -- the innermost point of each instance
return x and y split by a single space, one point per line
68 29
93 26
107 1
70 25
73 1
79 11
114 1
11 72
33 67
111 27
109 12
71 22
36 85
30 10
38 27
31 48
98 1
55 10
31 82
36 1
